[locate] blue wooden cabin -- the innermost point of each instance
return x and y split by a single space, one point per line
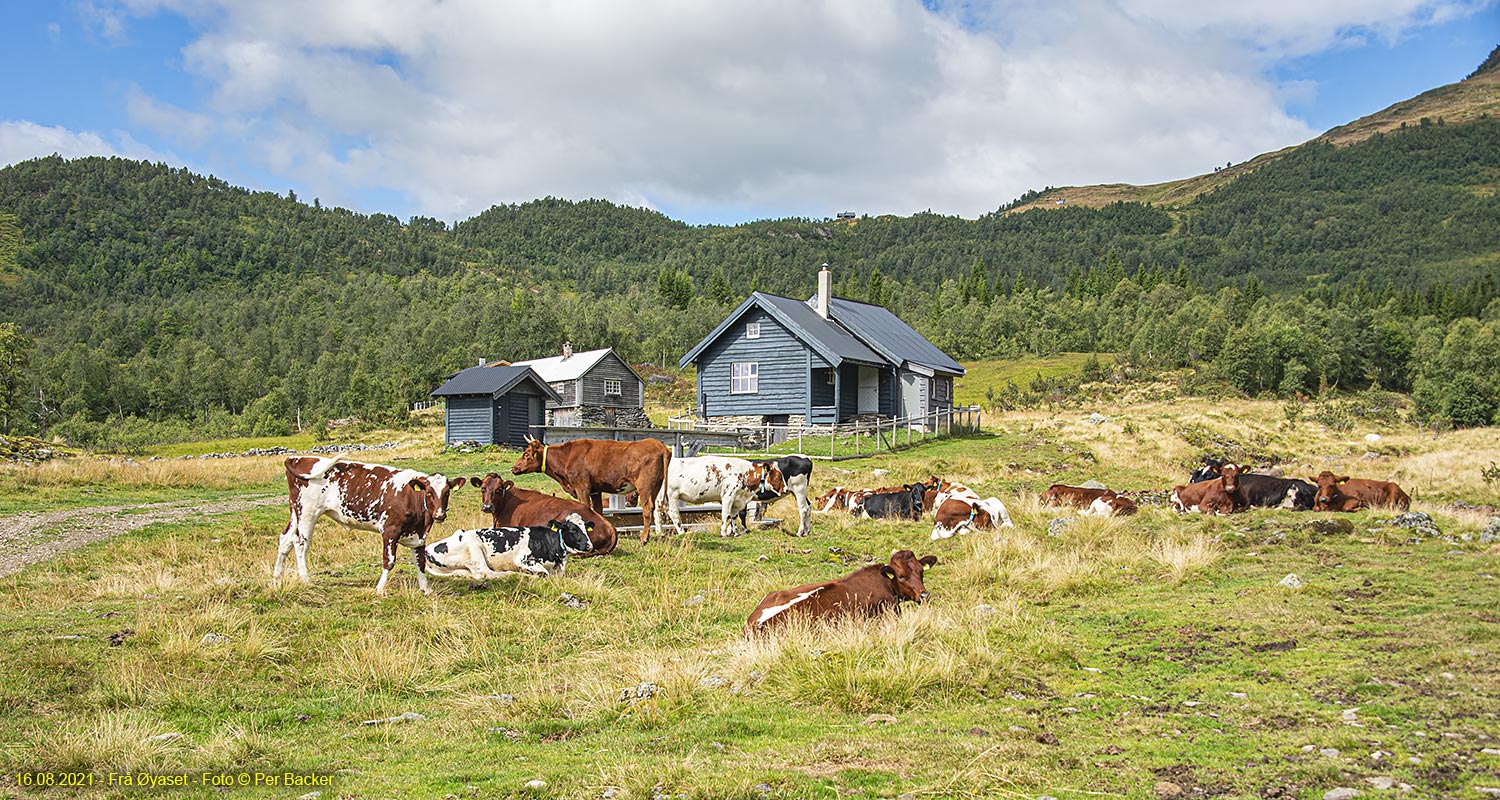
494 403
781 360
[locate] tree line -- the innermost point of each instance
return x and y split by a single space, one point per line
145 302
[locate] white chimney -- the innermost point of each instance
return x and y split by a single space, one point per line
567 350
481 361
825 290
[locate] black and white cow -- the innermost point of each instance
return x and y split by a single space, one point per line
492 552
903 505
1207 472
796 472
1268 491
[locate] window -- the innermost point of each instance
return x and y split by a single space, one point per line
744 377
831 373
752 330
611 386
561 387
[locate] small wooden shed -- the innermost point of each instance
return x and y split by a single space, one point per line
494 403
596 387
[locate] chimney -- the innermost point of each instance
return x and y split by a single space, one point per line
481 361
567 350
825 290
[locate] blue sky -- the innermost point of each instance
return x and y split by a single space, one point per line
715 114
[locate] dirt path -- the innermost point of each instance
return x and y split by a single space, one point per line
28 538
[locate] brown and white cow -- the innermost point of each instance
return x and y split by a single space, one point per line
1342 493
1110 505
1218 496
733 482
1061 494
399 504
512 507
867 591
586 468
960 510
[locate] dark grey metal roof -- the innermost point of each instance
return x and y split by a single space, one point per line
493 380
827 339
886 333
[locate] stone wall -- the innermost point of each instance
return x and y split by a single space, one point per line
590 416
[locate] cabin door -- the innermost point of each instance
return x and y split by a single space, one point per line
869 390
913 395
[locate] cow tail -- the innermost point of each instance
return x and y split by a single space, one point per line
323 467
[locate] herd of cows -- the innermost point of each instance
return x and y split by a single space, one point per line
535 533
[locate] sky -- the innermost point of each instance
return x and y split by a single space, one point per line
711 113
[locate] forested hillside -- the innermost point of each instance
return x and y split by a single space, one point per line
144 301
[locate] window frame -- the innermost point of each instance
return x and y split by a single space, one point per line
619 387
752 330
746 376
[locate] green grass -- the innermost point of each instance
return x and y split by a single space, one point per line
983 375
1113 660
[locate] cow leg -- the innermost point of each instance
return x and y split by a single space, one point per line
648 517
302 538
674 513
729 517
288 539
388 560
419 558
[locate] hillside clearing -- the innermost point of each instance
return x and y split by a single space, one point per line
1112 658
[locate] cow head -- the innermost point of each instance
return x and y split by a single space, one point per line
1207 472
767 479
1230 472
918 496
436 487
492 489
573 532
531 458
905 572
1327 491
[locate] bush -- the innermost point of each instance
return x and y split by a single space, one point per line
1466 403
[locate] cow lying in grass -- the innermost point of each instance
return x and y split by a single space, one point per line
492 552
866 592
509 506
959 509
1342 493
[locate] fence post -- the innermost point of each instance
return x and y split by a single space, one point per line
833 431
856 437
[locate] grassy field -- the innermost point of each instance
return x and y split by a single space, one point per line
983 375
1154 656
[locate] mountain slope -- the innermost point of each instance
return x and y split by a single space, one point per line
1474 98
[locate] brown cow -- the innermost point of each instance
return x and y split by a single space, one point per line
1061 494
1218 496
1111 505
399 504
1342 493
510 507
867 591
588 467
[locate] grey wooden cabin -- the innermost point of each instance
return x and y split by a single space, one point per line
782 360
495 403
594 387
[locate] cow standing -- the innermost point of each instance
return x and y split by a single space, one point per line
399 504
730 481
867 591
586 468
1342 493
509 507
796 474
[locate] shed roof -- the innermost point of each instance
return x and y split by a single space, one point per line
492 379
882 330
832 343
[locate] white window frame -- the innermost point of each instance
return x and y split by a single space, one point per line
831 372
752 330
744 377
616 389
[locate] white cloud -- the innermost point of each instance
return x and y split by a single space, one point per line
807 107
21 140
